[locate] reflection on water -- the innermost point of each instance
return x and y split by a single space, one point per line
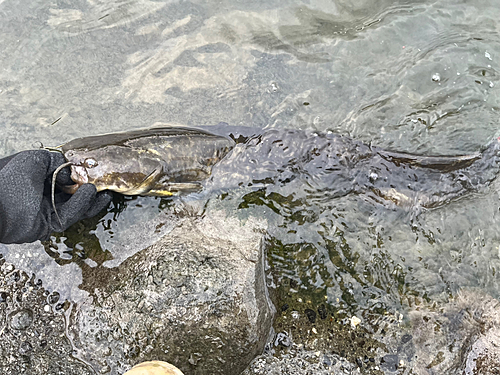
80 242
130 224
101 15
351 230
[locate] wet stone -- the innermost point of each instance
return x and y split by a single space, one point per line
471 321
282 339
21 319
390 362
59 306
31 337
53 298
25 347
328 361
311 315
406 338
322 312
298 362
359 362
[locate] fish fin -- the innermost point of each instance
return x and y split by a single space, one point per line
145 185
159 193
186 187
408 199
399 198
442 163
70 189
173 188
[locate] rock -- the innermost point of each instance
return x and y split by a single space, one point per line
21 319
467 340
197 299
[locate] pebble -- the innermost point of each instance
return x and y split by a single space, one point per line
355 321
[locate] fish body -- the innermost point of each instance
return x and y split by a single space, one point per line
158 161
325 166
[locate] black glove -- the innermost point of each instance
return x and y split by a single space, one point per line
26 212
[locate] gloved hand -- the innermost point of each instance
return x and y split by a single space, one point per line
26 212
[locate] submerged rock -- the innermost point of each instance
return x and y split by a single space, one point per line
21 319
461 337
301 362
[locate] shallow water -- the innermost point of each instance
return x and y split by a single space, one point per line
413 76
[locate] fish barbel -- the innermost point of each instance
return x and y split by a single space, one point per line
155 162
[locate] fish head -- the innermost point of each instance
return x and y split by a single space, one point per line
134 163
120 169
91 166
83 165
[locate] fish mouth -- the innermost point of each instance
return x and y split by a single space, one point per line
79 174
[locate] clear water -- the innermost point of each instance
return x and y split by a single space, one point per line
414 76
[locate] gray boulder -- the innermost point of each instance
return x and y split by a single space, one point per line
197 299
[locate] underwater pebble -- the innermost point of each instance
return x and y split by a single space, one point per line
53 298
311 315
25 347
355 321
436 77
282 339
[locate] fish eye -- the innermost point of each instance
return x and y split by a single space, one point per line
70 153
90 163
